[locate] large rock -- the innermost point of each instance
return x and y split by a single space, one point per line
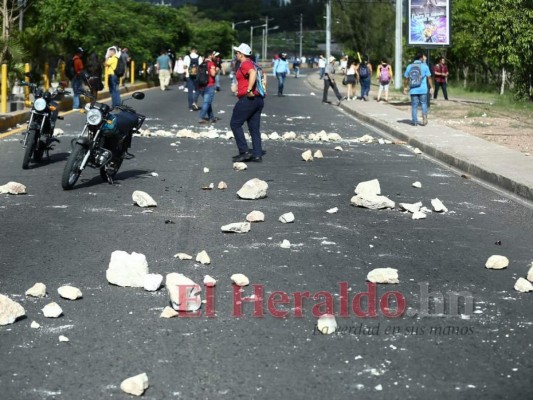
203 258
438 206
253 189
136 385
52 310
287 218
13 188
255 216
497 262
9 310
183 292
523 285
127 269
69 292
237 227
327 324
383 275
37 290
143 199
373 202
368 187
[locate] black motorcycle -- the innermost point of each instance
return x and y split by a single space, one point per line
104 141
39 138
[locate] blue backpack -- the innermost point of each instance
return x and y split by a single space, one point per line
364 72
415 76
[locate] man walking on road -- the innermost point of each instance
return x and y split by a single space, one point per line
280 71
417 80
191 63
330 81
164 66
206 88
248 107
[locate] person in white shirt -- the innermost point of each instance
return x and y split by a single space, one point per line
179 71
191 63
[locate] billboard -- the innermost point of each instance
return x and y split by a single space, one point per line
429 23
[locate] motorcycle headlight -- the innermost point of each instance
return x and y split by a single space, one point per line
94 117
39 104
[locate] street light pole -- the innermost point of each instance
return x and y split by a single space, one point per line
398 46
233 25
252 34
265 33
301 34
328 29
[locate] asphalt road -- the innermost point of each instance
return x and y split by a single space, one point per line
58 237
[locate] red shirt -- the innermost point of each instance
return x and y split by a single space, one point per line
78 64
441 69
242 78
210 79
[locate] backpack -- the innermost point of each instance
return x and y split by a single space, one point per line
363 71
384 75
193 67
415 76
202 76
69 69
120 70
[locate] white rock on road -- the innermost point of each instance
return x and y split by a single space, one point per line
239 166
412 208
287 218
255 216
307 155
236 227
35 325
183 292
52 310
332 210
203 258
253 189
530 273
338 148
152 282
37 290
497 262
371 187
383 275
9 310
69 292
327 324
183 256
374 202
222 185
285 244
13 188
127 269
168 312
523 285
143 199
63 338
417 185
136 385
318 154
419 215
240 280
209 281
289 136
438 206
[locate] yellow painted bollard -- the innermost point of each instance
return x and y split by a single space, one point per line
3 95
132 72
27 102
45 77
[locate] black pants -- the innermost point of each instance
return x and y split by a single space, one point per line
444 91
327 84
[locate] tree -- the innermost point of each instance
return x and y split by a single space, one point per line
11 49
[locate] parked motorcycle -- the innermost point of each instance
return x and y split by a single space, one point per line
44 113
104 141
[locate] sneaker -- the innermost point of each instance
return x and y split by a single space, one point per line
424 120
195 107
242 157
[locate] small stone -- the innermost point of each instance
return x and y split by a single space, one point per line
152 282
523 285
327 324
206 170
412 208
416 185
334 137
381 141
127 270
9 310
417 151
13 188
307 155
379 387
530 273
239 166
35 325
52 310
253 189
373 202
438 206
418 215
338 148
285 244
222 185
240 280
318 154
143 199
183 256
237 227
203 258
168 312
332 210
497 262
287 218
209 281
136 385
274 136
37 290
368 188
63 338
255 216
183 292
70 292
154 174
289 136
383 275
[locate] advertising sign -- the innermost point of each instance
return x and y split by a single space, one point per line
429 23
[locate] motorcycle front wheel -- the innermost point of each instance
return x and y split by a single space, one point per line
72 170
30 146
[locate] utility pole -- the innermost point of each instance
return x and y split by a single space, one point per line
266 38
328 29
398 54
301 34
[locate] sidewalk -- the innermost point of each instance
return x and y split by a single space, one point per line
500 166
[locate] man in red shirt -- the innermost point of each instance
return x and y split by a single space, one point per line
441 77
77 81
208 90
248 108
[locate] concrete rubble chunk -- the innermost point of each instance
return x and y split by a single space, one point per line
322 136
143 199
383 275
381 141
412 208
417 185
127 269
209 135
206 170
13 188
368 187
307 156
187 133
417 150
228 135
52 310
209 281
168 312
183 292
334 137
183 256
152 282
418 215
63 338
37 290
438 206
287 218
523 285
264 137
497 262
255 216
530 273
312 136
10 310
136 385
240 280
236 227
222 185
285 244
365 139
35 325
338 148
289 136
372 202
253 189
318 154
332 210
239 166
274 136
327 324
203 258
70 292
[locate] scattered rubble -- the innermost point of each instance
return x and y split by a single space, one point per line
13 188
383 275
34 325
289 136
497 262
327 324
417 185
37 290
253 189
143 199
152 282
240 280
318 154
287 218
52 310
412 208
255 216
418 215
70 292
338 148
63 338
203 258
307 155
237 227
183 292
136 385
530 273
523 285
417 150
206 170
332 210
9 310
274 136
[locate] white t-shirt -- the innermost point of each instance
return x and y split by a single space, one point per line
187 62
179 68
321 63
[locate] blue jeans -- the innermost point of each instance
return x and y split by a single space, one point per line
113 82
281 81
77 87
322 71
417 99
191 88
217 80
247 110
208 93
365 87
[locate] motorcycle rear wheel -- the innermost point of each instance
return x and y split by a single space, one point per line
30 146
72 171
110 170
